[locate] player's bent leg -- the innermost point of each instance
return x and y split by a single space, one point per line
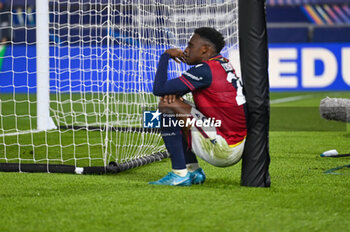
173 140
182 111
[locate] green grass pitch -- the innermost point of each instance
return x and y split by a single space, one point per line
301 198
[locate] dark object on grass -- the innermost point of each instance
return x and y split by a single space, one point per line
338 156
333 170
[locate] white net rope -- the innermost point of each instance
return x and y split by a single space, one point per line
103 56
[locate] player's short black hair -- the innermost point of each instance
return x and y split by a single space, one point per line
213 36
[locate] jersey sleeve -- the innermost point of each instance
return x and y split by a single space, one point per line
197 77
162 86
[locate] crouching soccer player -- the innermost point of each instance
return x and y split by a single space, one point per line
218 97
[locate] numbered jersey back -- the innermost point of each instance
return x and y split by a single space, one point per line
224 100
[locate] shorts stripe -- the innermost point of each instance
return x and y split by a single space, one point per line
236 144
202 132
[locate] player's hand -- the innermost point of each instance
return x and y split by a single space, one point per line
176 54
171 98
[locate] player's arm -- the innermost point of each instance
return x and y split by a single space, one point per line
194 78
162 86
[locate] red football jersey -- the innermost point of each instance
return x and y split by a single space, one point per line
223 100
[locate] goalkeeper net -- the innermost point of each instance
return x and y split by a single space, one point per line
77 75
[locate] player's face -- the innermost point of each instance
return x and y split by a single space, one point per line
194 50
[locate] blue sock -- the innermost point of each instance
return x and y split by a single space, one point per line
190 157
172 137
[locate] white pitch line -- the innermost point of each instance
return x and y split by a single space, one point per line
290 99
20 133
126 123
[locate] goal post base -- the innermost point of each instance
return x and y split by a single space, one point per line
112 168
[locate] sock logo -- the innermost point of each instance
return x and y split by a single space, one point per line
152 119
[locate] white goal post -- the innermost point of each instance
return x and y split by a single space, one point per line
44 121
76 76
